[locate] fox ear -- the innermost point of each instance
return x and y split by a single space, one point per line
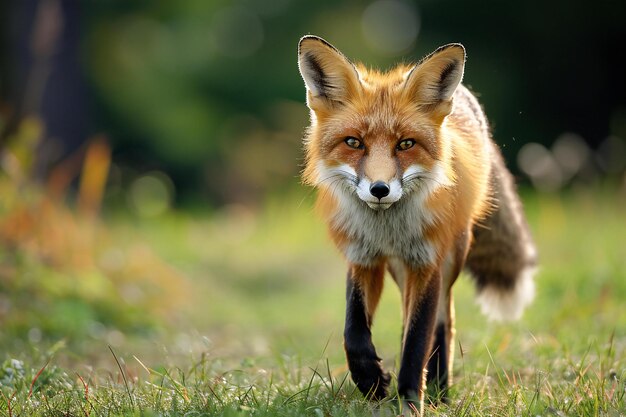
433 81
329 77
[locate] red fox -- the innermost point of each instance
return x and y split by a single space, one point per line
411 182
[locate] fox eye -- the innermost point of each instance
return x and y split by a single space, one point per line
354 143
405 144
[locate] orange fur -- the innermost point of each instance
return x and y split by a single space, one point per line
405 168
383 109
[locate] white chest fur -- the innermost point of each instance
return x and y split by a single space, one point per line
395 232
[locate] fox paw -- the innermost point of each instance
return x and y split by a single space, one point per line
370 378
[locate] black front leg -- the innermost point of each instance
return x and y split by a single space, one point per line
420 300
438 364
363 362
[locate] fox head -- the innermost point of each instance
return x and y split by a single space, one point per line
377 136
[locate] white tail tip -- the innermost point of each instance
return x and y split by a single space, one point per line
501 304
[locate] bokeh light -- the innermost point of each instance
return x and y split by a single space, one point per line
151 194
390 27
541 167
571 153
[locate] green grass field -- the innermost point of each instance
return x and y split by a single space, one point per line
258 327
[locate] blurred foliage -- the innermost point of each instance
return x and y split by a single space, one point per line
207 95
210 92
186 89
62 274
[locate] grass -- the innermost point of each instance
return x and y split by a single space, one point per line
259 331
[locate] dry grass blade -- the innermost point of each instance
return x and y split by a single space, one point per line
32 384
119 365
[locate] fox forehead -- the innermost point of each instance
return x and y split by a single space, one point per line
380 103
372 78
380 109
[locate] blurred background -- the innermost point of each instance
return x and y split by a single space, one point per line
207 93
147 147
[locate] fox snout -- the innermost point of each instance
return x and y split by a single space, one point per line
378 185
379 194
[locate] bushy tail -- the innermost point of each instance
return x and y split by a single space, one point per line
502 258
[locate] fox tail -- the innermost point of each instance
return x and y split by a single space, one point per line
503 258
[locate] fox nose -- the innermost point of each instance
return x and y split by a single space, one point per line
379 189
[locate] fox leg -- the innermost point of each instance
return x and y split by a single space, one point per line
421 294
364 286
441 359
